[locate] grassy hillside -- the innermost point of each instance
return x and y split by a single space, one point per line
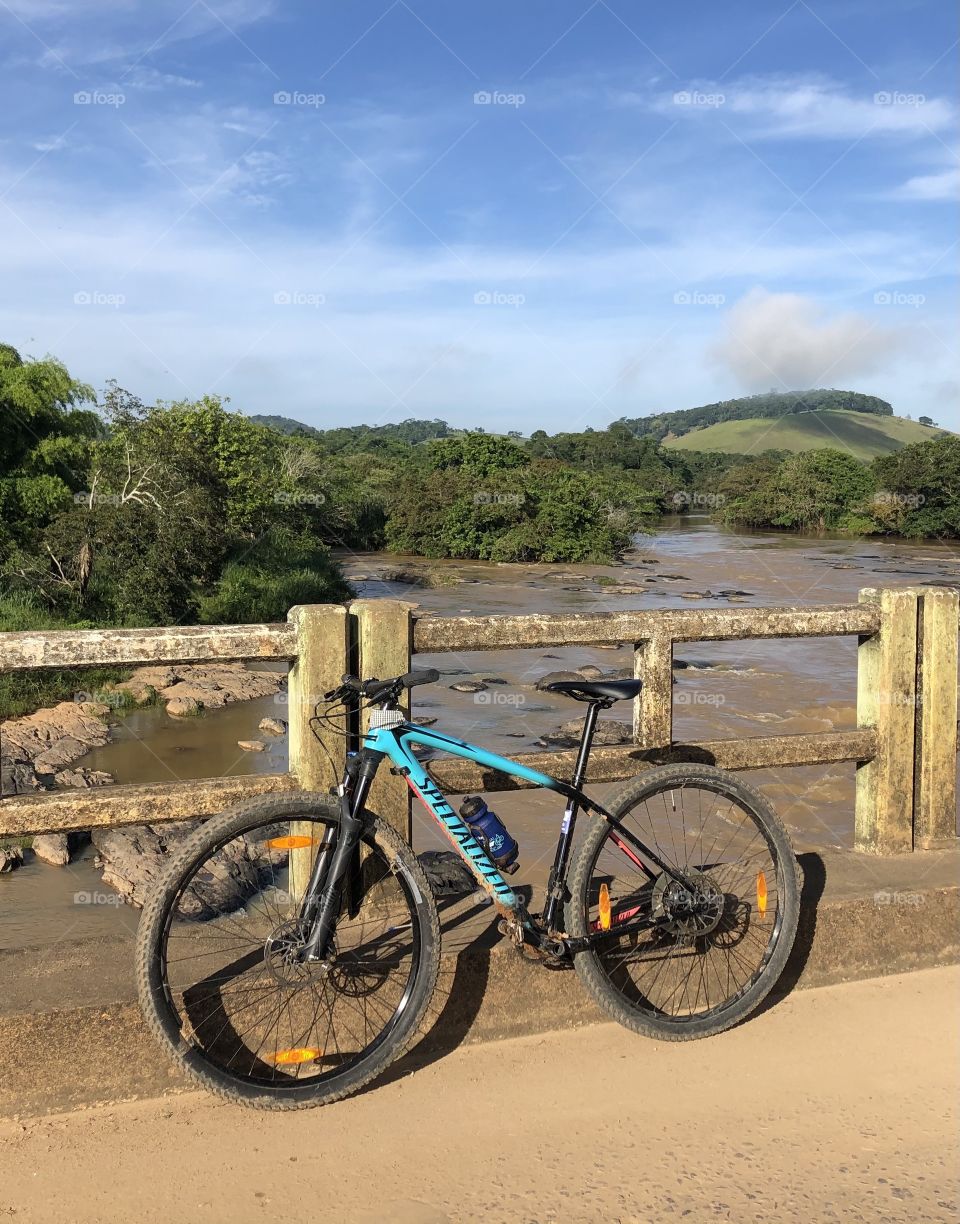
863 434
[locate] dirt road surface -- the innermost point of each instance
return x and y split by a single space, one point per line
837 1104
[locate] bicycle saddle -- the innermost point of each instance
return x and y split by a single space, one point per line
595 690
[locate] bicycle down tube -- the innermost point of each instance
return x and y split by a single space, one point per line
394 739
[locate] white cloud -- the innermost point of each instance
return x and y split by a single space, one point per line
944 185
786 340
793 107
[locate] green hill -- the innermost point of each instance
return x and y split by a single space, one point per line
864 434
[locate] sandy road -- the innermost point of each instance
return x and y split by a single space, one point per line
838 1104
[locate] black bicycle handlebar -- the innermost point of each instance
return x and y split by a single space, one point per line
382 690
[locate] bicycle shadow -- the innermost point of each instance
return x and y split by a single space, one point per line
462 993
814 879
464 976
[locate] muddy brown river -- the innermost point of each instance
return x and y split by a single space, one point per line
727 689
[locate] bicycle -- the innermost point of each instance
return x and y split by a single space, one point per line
292 946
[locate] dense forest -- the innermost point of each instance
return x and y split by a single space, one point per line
116 512
768 404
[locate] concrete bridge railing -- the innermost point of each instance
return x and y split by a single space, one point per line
904 744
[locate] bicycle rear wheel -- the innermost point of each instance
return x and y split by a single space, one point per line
219 981
690 961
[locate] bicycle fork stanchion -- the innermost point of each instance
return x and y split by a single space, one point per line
317 943
558 871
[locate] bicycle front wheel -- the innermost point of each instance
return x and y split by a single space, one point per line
220 983
690 960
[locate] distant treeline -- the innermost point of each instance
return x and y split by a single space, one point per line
769 404
116 512
360 437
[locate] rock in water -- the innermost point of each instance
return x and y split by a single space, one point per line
252 745
447 873
609 731
52 848
556 677
10 858
183 707
272 726
468 686
133 858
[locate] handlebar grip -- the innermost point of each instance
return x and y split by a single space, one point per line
428 676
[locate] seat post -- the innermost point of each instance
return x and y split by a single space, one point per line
586 739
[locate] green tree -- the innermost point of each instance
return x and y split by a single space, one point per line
920 489
822 489
45 442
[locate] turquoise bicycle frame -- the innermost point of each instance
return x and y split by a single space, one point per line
395 742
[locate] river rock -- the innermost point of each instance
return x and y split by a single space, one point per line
272 726
252 745
447 873
423 720
83 778
609 731
469 686
183 707
132 860
556 677
17 776
37 746
51 848
211 685
11 858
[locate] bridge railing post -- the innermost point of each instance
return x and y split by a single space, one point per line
317 753
887 703
653 709
384 638
935 790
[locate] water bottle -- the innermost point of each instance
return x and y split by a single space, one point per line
489 830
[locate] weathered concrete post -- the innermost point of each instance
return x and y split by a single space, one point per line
322 658
384 636
886 702
653 709
935 791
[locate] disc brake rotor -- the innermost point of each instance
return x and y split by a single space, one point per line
691 909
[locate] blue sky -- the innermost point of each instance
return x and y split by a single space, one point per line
545 214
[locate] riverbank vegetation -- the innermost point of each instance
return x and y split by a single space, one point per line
115 512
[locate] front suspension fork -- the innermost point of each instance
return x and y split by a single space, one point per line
324 894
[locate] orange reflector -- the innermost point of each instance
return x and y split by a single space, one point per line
604 906
762 894
291 1058
292 843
